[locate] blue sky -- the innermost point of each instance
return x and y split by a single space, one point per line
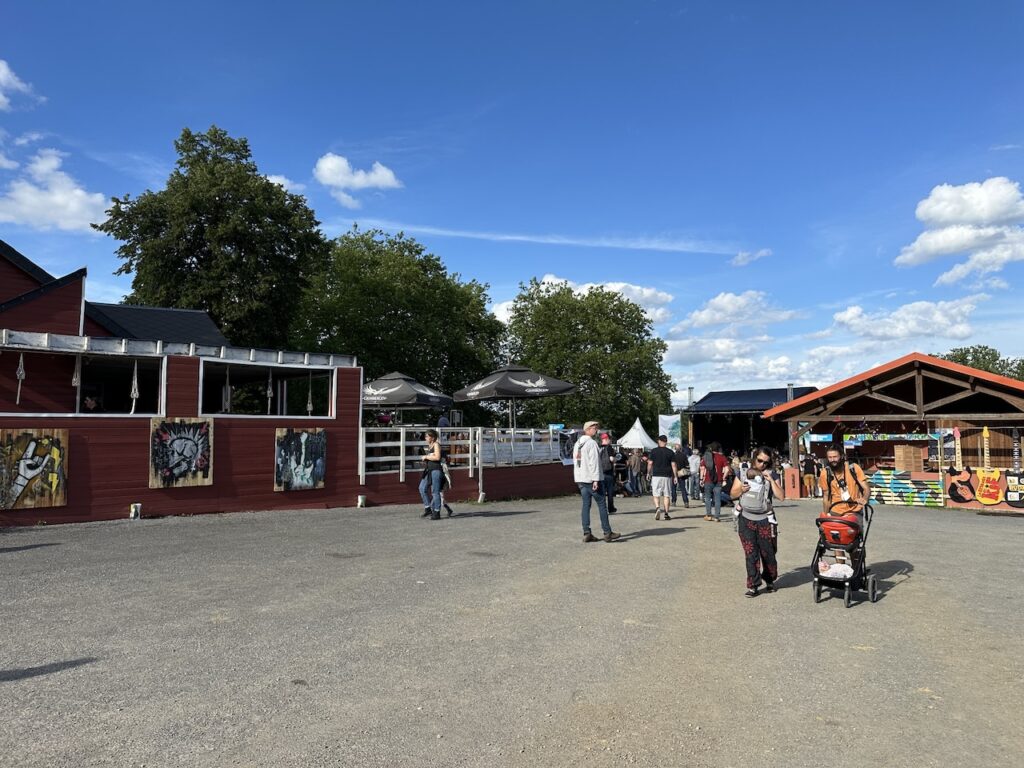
795 191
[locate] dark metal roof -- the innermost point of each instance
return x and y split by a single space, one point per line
746 400
131 321
34 271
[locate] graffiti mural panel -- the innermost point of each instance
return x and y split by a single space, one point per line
892 487
33 468
300 457
180 452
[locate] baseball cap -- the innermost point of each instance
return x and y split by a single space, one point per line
605 436
662 439
590 424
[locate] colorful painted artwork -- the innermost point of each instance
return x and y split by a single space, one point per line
180 452
33 468
300 457
891 487
986 489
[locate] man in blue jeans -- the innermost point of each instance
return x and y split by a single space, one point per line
590 480
713 469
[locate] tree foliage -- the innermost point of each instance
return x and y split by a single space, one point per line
220 237
986 358
386 300
600 341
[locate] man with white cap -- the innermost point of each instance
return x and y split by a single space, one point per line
589 477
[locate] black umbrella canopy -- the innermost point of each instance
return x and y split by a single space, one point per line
513 382
396 390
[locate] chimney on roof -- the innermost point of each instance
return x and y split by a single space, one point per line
690 401
789 391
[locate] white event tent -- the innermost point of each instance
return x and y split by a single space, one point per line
637 437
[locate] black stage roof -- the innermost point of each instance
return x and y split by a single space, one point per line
183 326
746 400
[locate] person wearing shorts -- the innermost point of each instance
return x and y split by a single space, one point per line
661 470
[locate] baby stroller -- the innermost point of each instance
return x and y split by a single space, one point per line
844 534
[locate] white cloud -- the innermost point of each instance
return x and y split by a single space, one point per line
743 258
659 244
336 173
284 181
10 84
948 241
47 197
701 350
925 319
987 261
993 201
28 138
747 308
6 163
653 301
502 310
981 219
1005 147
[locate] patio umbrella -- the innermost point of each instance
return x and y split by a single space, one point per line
513 382
396 390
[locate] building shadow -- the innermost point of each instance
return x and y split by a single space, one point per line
11 675
484 513
5 550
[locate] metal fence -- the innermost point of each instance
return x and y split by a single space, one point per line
400 449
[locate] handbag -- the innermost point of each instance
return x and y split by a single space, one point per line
684 472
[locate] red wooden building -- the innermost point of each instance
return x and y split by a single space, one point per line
106 406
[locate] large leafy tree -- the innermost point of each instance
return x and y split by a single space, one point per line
396 307
600 341
220 237
986 358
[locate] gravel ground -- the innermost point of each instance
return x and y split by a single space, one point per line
374 638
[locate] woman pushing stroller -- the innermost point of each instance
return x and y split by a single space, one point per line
753 491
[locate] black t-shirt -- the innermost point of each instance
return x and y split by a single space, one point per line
661 462
810 466
681 458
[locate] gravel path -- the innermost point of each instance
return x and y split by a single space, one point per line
373 638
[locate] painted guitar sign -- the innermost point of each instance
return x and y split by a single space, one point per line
989 493
960 490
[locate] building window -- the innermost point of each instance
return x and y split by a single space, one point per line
107 384
260 390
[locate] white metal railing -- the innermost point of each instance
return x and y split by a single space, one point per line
399 449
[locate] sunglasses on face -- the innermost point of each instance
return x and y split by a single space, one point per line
760 461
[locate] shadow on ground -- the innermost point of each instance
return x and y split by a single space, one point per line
5 550
10 675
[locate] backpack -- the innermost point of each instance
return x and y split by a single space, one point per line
711 477
841 479
758 500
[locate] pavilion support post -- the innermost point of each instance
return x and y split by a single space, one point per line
794 442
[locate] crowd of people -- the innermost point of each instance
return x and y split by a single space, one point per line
748 483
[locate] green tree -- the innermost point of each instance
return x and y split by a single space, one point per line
601 342
986 358
386 300
220 237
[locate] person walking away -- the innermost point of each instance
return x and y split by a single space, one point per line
754 492
589 478
635 467
844 489
694 460
432 476
714 468
810 472
682 478
661 469
608 459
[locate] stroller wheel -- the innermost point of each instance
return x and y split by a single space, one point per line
816 586
847 595
872 589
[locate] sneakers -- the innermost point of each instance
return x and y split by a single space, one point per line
449 510
589 537
752 592
667 517
427 512
769 588
708 518
612 536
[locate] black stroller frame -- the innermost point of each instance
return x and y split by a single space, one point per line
862 579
